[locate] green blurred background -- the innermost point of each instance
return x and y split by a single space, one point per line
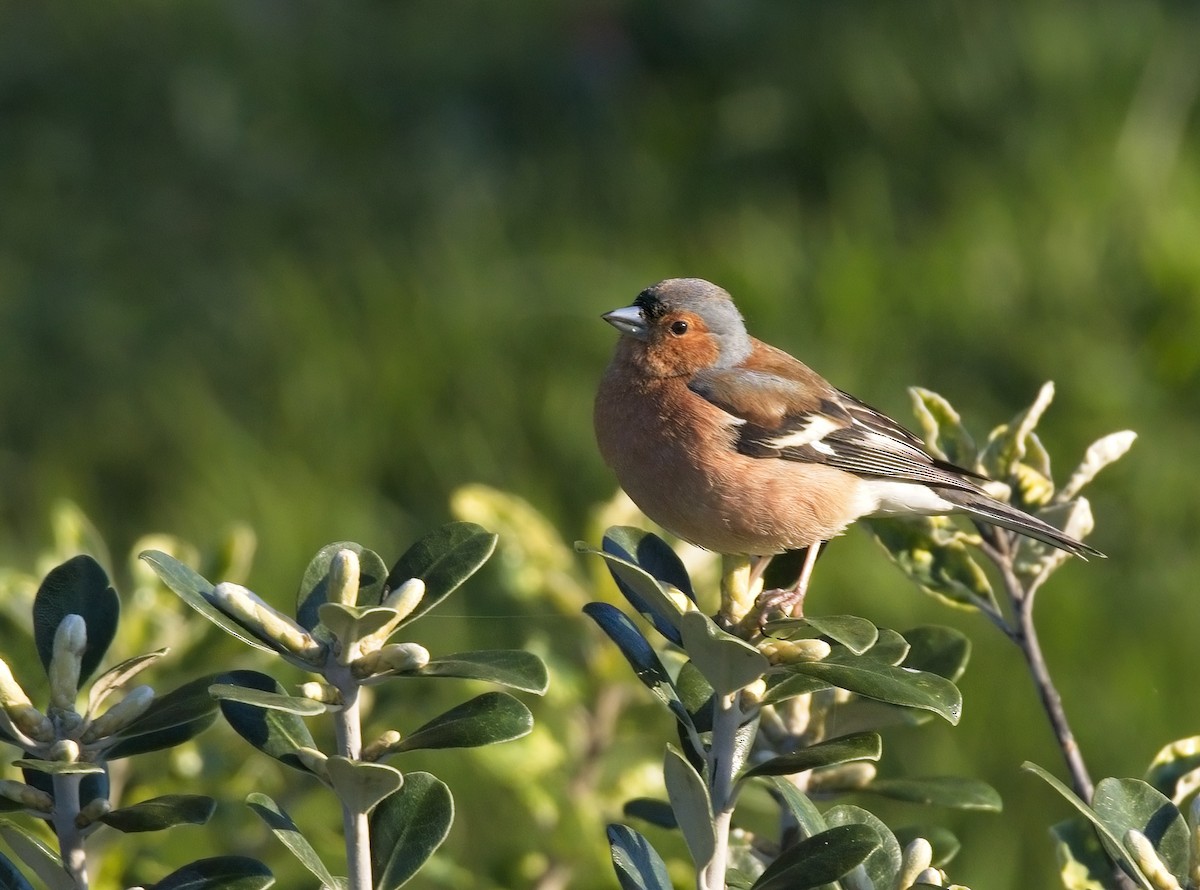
312 266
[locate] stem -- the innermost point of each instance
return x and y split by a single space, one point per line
355 825
70 838
727 716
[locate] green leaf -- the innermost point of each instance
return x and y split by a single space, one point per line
161 812
890 648
349 624
637 864
443 559
38 857
883 865
484 720
1007 443
1122 804
781 687
1083 864
934 555
407 827
727 662
937 650
60 767
1099 455
219 873
650 552
276 733
643 591
956 792
691 805
942 428
799 805
820 859
857 746
513 668
883 682
12 879
1172 763
314 586
290 704
649 809
696 695
119 675
174 718
856 634
360 785
77 587
640 655
289 835
195 590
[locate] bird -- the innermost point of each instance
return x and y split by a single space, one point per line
737 447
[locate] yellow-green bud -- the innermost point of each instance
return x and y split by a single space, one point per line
917 857
248 608
32 722
27 796
130 708
11 693
343 578
66 660
1148 863
794 651
381 746
843 777
403 657
321 692
91 811
64 751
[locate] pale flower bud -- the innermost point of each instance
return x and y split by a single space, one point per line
249 609
403 657
33 723
314 760
1148 863
27 796
381 746
64 751
11 693
929 876
91 811
406 597
321 692
343 578
917 857
794 651
66 660
130 708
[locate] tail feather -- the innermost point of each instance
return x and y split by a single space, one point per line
987 509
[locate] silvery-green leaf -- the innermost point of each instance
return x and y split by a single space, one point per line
1099 455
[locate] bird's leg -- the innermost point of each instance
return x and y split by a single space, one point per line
790 600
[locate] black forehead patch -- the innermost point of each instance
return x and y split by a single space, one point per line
651 304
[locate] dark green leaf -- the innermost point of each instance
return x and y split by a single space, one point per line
291 704
32 851
890 648
443 559
196 591
648 809
407 827
957 792
882 866
643 591
637 864
651 553
314 586
119 675
289 835
691 805
1081 854
12 879
361 785
856 634
781 687
639 653
894 685
799 805
696 695
161 812
513 668
937 650
859 746
170 720
1122 804
820 859
77 587
727 662
275 733
484 720
219 873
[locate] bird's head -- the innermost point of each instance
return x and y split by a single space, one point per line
681 326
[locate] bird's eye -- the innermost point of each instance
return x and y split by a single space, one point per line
679 328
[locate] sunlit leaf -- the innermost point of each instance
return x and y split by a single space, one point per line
289 835
957 792
691 805
77 587
942 428
643 591
484 720
314 586
894 685
119 675
883 865
291 704
799 805
934 556
1099 455
514 668
636 862
407 827
937 650
859 746
727 662
443 559
219 873
278 734
1122 804
36 856
171 719
820 859
856 634
361 785
1171 764
651 553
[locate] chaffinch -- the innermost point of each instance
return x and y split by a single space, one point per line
738 447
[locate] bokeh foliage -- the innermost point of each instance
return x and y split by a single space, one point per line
313 266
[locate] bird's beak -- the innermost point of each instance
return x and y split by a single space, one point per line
628 321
